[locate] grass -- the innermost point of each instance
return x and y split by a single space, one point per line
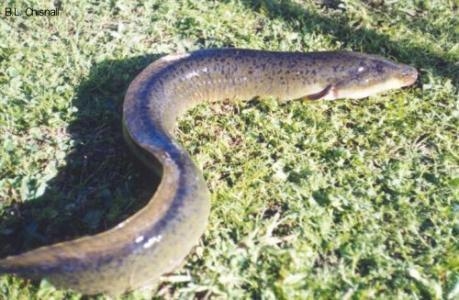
345 199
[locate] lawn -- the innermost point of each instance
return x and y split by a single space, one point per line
310 200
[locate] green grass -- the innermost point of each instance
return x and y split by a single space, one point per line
345 199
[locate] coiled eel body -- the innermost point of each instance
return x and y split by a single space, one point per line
158 237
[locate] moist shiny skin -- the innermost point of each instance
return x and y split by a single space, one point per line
156 239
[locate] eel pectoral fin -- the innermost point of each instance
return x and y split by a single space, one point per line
321 94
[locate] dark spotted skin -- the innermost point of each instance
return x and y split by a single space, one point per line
157 238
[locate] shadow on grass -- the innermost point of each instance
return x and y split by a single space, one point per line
101 183
359 39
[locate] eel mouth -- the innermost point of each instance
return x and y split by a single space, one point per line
409 76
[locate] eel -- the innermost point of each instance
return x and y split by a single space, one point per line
156 239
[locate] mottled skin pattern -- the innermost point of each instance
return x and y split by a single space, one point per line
157 238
